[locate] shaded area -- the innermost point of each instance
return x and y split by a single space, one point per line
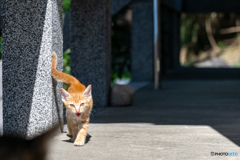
191 73
90 42
118 5
210 6
214 103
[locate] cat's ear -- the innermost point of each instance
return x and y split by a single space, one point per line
88 92
65 95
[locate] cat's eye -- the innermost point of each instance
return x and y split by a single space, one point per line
72 105
82 104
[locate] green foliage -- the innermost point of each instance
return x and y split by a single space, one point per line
193 34
221 44
124 75
66 5
121 46
66 53
66 61
66 65
194 37
237 65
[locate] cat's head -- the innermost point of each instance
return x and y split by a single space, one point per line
78 103
17 148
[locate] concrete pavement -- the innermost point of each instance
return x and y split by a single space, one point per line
185 120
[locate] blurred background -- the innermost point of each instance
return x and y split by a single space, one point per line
210 40
207 40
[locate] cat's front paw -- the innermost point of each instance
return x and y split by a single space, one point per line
79 143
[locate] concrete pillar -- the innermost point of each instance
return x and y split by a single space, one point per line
66 31
91 46
31 31
1 108
117 5
1 17
142 41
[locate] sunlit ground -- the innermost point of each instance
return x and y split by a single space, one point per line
187 119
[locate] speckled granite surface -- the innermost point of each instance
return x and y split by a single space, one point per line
142 41
117 5
1 118
90 46
66 31
31 31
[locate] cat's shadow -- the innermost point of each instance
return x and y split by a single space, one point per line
86 141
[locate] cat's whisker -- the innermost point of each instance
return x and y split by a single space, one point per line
91 114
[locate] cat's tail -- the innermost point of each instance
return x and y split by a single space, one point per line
60 76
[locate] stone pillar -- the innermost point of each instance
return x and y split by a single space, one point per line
1 108
91 46
142 41
1 17
1 116
66 31
117 5
32 30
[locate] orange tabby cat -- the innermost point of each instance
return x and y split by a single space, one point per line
78 101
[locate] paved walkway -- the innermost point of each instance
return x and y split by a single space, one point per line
186 120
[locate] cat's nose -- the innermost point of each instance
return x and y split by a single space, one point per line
77 110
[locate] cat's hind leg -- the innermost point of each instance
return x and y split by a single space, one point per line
69 131
69 126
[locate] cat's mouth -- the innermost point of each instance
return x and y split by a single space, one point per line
78 114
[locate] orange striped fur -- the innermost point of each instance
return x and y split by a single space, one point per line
78 101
